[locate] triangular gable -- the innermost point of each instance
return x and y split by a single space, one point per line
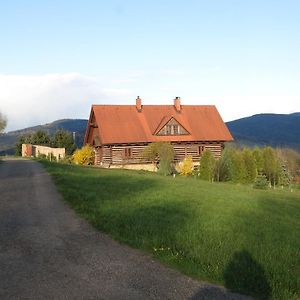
170 126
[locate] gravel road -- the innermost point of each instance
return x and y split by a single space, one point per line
47 252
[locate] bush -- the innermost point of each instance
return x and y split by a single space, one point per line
261 182
186 167
250 166
162 154
207 166
84 156
41 156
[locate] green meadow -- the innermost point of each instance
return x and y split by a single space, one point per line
245 239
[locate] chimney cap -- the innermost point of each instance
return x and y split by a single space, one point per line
177 104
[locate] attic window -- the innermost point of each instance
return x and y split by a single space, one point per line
172 130
172 127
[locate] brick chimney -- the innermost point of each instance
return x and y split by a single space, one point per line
138 104
177 104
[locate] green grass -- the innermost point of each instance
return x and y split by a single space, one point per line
245 239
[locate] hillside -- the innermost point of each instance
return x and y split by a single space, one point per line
8 140
234 235
278 130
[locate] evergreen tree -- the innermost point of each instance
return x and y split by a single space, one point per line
238 168
222 167
250 166
40 138
207 166
259 160
270 165
64 139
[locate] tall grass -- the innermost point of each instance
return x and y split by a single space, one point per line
245 239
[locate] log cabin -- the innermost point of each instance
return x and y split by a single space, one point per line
119 133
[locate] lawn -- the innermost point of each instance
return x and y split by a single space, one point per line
245 239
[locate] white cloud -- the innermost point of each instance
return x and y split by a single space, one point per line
28 100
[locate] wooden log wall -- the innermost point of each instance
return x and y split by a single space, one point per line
115 154
97 160
107 155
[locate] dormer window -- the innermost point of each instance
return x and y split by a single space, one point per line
172 127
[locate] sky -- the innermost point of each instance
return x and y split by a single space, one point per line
57 57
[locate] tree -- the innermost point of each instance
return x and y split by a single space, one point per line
37 138
238 168
2 122
63 139
283 178
270 165
41 138
290 159
162 154
250 166
231 166
207 166
259 160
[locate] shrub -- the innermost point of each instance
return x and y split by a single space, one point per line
250 166
270 165
84 156
186 167
207 166
41 156
261 182
161 153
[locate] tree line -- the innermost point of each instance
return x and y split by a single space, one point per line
61 139
262 166
257 165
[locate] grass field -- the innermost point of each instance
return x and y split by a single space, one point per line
247 240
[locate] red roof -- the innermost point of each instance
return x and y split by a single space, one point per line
125 124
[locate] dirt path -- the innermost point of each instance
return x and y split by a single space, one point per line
47 252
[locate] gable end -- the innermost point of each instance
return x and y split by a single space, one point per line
172 127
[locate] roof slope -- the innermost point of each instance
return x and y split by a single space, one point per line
124 124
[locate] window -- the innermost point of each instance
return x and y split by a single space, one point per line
175 130
169 129
127 153
201 149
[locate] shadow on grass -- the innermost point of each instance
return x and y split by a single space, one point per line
210 292
244 274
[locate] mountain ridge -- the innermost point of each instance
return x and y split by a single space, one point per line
9 139
277 130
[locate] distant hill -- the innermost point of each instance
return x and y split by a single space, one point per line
277 130
8 140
